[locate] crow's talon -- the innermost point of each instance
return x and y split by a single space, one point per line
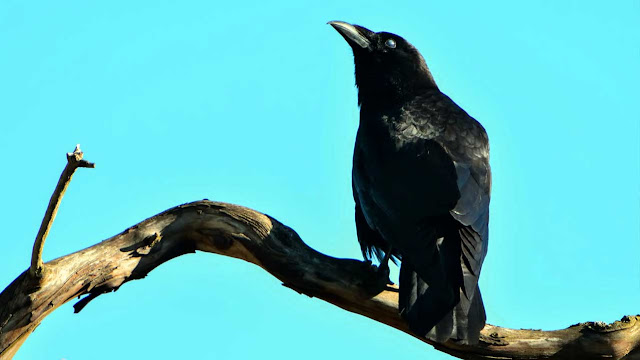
383 272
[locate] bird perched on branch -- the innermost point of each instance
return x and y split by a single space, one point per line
421 184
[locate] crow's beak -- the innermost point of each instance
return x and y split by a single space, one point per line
356 36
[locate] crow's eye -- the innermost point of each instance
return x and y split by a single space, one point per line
390 43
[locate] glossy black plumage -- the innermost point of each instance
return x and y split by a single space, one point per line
421 184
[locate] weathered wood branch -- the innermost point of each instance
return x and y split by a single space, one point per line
246 234
74 161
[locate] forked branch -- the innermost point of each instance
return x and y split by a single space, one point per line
74 161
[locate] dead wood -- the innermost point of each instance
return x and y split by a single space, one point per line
249 235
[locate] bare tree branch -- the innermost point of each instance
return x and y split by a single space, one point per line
245 234
74 161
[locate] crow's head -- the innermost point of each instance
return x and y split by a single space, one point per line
387 66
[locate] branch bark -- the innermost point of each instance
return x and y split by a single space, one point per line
246 234
74 161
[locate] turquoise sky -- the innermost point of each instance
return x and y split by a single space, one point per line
253 102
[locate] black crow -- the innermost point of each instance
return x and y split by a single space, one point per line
421 184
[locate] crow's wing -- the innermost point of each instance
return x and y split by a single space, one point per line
472 211
467 144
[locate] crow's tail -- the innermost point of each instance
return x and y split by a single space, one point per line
436 312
